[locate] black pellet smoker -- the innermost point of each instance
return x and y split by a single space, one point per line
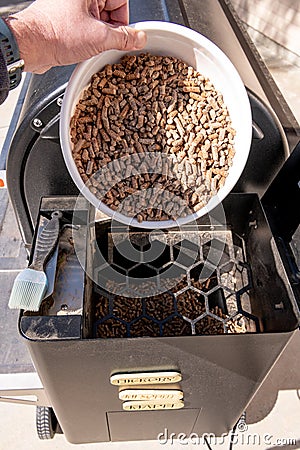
119 368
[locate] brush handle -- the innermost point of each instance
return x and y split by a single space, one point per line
46 242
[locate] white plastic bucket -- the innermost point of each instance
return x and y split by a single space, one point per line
169 39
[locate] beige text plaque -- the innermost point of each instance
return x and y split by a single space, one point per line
142 378
162 395
150 406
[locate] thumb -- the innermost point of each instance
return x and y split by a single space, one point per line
124 38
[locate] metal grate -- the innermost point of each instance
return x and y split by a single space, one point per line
174 284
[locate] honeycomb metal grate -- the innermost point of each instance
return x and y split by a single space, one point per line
174 284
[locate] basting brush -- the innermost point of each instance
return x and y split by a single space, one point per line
31 284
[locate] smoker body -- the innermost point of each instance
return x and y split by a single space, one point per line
220 373
218 382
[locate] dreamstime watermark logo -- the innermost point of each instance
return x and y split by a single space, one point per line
105 271
242 425
238 438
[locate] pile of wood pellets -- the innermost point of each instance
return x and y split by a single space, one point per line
166 314
148 104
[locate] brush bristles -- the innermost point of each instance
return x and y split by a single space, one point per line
27 295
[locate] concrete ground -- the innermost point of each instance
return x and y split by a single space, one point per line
272 418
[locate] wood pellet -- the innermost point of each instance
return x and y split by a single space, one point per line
165 314
152 104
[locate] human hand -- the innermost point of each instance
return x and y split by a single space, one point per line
55 32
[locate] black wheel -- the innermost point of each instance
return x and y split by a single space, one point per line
46 422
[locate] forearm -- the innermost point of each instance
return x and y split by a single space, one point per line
31 31
63 32
69 31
